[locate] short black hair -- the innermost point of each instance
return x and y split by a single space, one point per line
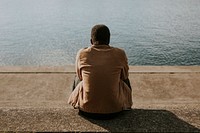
100 34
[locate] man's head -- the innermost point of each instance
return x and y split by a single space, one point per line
100 34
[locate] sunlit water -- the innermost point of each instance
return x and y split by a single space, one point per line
50 32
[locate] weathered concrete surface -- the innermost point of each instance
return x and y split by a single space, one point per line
35 99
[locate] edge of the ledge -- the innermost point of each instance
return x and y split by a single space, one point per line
71 69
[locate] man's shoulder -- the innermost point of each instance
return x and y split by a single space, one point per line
83 51
118 50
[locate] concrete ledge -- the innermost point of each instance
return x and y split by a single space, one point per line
132 69
166 98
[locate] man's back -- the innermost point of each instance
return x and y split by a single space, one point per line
102 71
102 68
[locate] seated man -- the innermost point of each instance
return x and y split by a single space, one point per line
104 88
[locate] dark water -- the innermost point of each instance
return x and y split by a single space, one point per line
50 32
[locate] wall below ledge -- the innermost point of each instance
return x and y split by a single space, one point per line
36 86
40 91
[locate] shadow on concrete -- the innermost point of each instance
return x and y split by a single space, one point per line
143 120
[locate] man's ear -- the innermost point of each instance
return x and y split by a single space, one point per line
91 41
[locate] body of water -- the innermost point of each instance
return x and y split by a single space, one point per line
50 32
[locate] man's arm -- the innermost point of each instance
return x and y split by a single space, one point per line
125 74
77 65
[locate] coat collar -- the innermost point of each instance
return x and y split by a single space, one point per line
101 46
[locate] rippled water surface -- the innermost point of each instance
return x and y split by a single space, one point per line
50 32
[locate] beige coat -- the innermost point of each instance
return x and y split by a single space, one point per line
102 70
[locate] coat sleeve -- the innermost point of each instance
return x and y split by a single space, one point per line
77 65
124 72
